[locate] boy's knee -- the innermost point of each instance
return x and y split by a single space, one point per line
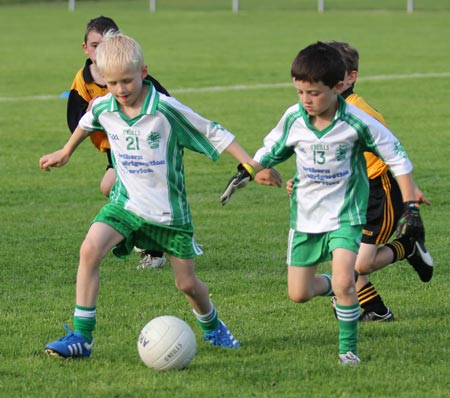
299 297
107 182
105 187
104 190
90 251
346 290
364 269
187 286
87 248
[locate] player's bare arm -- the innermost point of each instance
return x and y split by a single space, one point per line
62 156
235 150
407 187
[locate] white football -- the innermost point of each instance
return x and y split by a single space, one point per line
167 342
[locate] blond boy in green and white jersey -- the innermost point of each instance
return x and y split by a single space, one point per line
148 208
148 153
329 199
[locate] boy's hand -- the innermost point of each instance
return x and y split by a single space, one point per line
420 197
55 159
245 174
269 177
289 186
410 223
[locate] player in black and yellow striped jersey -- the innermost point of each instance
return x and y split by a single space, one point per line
384 210
89 84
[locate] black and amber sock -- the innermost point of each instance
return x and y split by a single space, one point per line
370 300
401 247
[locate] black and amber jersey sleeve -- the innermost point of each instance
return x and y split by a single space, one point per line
82 91
76 108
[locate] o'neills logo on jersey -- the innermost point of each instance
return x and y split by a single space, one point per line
131 132
153 139
320 147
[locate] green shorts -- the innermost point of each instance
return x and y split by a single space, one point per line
175 240
305 250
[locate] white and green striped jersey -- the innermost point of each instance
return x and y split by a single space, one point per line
330 185
148 150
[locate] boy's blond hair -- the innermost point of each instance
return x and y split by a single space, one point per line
118 51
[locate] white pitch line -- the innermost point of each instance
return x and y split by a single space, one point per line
409 76
243 87
29 98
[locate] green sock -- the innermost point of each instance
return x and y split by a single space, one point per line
348 327
208 322
84 321
329 292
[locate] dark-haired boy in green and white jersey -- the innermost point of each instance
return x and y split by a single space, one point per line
385 207
329 199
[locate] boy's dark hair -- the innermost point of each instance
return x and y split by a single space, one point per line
349 54
319 62
100 25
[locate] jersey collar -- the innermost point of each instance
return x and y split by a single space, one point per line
347 92
340 110
87 75
337 116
